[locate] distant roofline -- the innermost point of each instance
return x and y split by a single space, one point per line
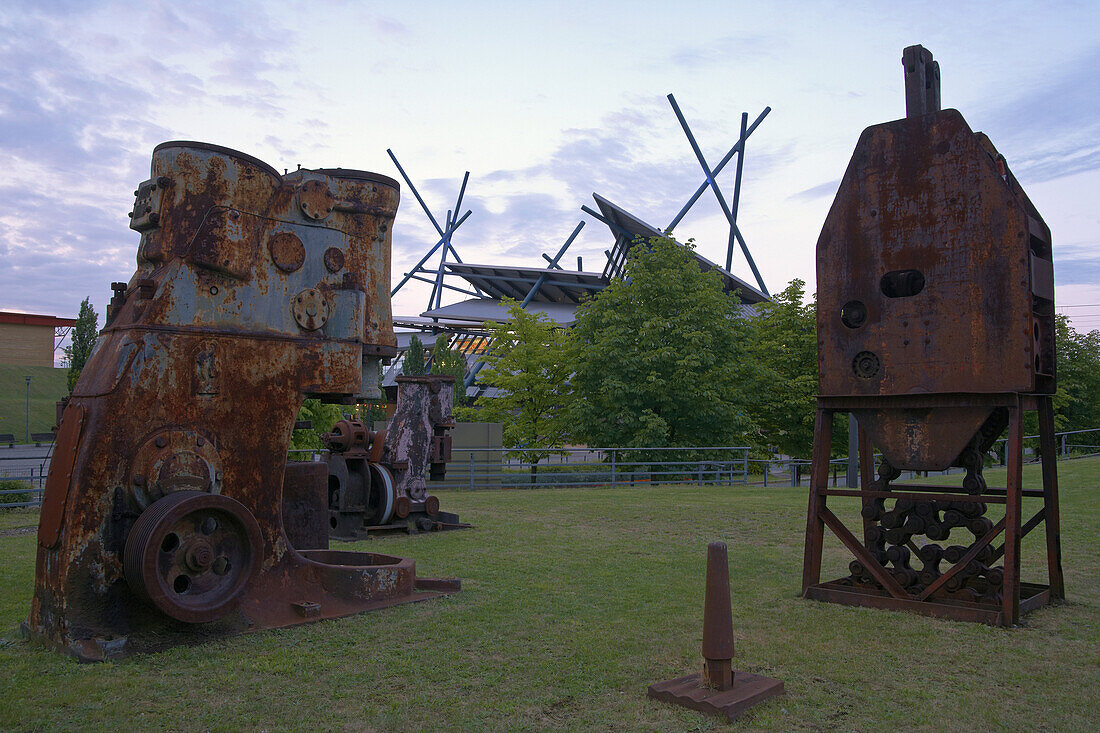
35 319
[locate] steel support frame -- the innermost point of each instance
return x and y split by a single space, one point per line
1017 597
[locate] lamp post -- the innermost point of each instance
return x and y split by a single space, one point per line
28 408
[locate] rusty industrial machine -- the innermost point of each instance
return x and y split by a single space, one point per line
162 520
935 323
377 480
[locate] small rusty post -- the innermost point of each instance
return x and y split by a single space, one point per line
717 620
719 690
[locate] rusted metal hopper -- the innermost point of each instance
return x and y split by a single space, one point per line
935 324
162 517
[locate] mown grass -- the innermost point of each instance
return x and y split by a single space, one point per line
48 385
573 602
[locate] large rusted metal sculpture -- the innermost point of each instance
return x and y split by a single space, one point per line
935 323
162 516
377 480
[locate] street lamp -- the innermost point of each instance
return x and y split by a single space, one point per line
28 408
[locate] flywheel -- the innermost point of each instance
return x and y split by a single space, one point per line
191 554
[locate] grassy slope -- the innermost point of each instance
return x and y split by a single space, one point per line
48 385
573 602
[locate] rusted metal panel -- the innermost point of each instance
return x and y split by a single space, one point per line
924 269
190 396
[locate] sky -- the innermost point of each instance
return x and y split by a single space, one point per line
543 103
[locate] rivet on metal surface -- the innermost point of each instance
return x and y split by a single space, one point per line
311 309
287 251
334 259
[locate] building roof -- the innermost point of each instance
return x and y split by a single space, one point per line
33 319
504 281
626 228
479 310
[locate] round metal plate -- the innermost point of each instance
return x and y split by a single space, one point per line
191 554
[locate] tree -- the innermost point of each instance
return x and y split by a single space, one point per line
657 356
782 343
1078 377
528 364
413 364
83 339
446 360
323 416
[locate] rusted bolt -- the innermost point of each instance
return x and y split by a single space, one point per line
160 442
200 441
199 556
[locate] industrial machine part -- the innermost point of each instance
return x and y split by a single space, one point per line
162 521
719 689
377 480
935 322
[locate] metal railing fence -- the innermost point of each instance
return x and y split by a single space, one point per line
502 468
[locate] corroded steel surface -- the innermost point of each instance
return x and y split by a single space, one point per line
378 480
931 268
194 385
934 248
935 322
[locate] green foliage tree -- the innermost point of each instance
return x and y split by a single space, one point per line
446 360
323 416
413 364
528 363
1078 377
83 339
658 360
782 343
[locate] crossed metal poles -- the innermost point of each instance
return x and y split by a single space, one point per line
730 211
453 222
471 376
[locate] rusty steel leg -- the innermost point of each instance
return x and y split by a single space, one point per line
1050 498
819 474
1010 602
866 471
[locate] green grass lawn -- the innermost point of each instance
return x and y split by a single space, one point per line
48 385
573 602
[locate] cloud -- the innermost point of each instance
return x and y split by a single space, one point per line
1077 264
723 51
79 104
1055 122
822 190
389 26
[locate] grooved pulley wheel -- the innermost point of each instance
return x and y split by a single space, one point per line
191 553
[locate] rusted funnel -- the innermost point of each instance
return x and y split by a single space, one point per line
718 620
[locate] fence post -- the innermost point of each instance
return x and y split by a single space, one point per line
471 470
700 473
767 470
794 474
744 466
612 468
1063 446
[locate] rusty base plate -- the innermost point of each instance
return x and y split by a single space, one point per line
171 633
1032 596
415 523
690 692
